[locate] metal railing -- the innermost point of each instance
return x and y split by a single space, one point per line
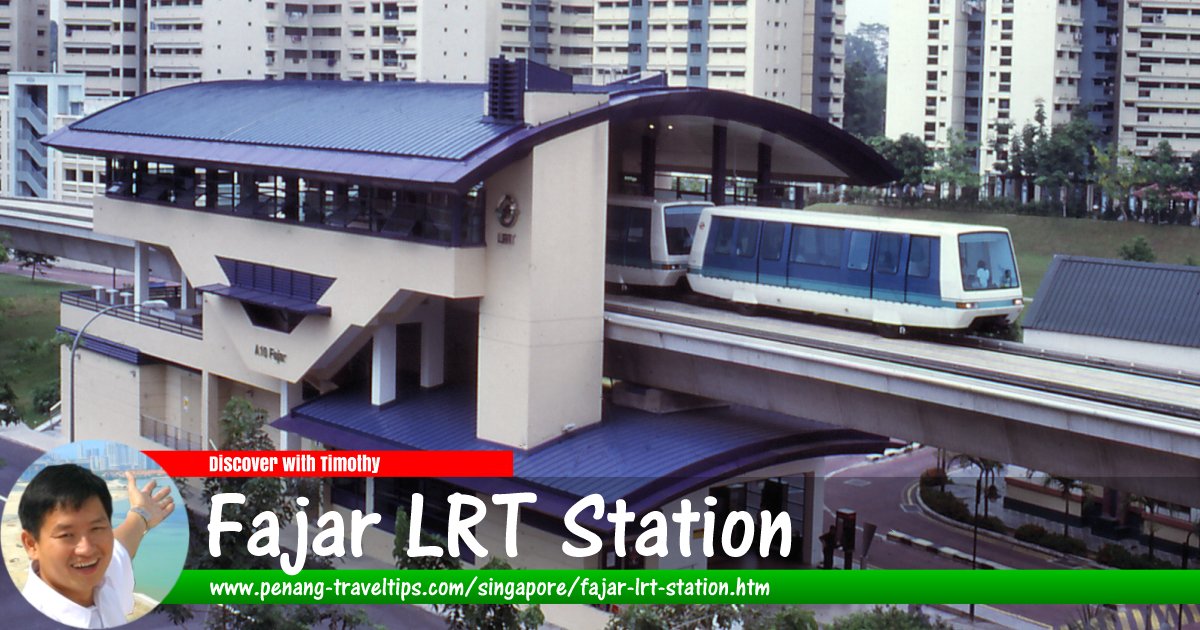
170 436
86 300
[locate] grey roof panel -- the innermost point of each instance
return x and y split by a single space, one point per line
1119 299
432 120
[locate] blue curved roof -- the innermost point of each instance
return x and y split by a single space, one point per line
410 133
431 120
645 458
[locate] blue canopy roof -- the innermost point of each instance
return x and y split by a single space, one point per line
429 134
645 458
432 120
1119 299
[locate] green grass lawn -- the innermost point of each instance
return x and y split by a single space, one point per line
28 316
1038 239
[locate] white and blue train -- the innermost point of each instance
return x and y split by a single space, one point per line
648 241
895 273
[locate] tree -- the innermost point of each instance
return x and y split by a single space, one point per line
1064 156
1145 503
669 616
1137 249
1162 176
783 618
463 616
1066 486
243 429
888 618
1001 165
956 163
34 262
910 156
493 616
8 403
988 468
866 80
1116 173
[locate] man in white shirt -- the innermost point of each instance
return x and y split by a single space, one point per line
81 570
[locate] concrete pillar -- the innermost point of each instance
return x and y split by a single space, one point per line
814 516
210 409
718 164
141 273
290 396
186 297
369 499
649 163
765 193
433 342
291 198
212 188
383 365
541 321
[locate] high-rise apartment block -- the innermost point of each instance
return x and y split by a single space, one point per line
24 37
1160 76
981 67
790 51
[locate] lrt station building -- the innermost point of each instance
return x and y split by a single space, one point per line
421 266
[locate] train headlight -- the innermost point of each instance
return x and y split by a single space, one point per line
965 305
1018 301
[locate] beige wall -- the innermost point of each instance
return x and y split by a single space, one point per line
372 276
540 321
1118 350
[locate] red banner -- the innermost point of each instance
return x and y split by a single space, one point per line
335 463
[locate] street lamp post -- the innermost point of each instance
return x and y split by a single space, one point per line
974 536
75 346
1187 541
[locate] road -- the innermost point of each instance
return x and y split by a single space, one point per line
884 493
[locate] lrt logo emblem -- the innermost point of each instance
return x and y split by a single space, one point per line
270 353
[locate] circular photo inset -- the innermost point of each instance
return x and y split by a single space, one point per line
94 534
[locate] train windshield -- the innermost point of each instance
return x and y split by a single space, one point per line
681 224
986 259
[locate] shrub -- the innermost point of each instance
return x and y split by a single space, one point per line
934 478
992 523
1137 249
45 396
1030 533
1121 558
1065 544
946 504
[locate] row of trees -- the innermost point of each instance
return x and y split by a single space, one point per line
1068 165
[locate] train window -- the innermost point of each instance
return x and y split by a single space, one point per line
747 238
772 241
887 253
723 235
918 256
817 246
637 239
681 226
860 251
987 261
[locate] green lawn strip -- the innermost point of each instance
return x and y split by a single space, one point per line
30 313
1038 239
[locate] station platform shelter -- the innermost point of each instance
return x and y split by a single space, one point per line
421 266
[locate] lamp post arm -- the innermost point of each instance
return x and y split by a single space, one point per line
75 346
